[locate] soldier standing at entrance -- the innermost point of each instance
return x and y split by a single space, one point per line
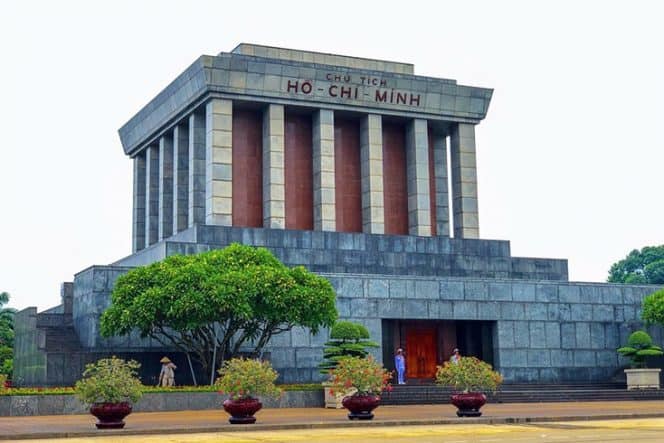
456 356
400 365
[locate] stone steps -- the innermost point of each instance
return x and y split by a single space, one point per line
431 394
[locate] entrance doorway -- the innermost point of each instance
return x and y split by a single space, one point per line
429 343
422 352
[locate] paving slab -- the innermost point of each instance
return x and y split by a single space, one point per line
178 422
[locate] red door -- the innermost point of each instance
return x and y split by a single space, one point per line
421 353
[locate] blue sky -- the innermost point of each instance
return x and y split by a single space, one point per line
569 156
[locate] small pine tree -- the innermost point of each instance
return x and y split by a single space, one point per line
639 348
347 339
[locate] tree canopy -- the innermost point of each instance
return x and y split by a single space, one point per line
645 266
6 335
237 297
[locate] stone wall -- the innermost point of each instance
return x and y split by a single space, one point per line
340 252
29 358
30 405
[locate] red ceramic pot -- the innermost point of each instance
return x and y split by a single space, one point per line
469 403
110 415
242 410
360 406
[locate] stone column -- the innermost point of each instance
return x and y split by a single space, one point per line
219 162
67 297
138 234
196 204
165 186
371 158
323 162
274 205
464 181
442 193
151 194
417 172
180 177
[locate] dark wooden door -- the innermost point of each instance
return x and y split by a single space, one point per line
421 353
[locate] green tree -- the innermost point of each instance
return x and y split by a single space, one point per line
223 302
6 335
640 267
347 339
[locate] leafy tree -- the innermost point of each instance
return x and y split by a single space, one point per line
348 339
639 348
229 300
640 267
6 335
652 311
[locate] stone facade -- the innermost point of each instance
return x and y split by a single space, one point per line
522 314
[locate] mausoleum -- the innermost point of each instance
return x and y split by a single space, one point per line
361 171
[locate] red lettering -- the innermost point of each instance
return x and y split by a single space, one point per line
381 98
414 99
306 87
291 86
345 92
332 90
401 98
383 83
328 76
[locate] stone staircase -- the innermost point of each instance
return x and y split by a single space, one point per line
522 393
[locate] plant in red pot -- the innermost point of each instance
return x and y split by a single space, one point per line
470 377
244 380
367 378
110 386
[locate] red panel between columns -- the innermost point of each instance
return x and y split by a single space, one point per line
347 175
298 171
395 187
247 168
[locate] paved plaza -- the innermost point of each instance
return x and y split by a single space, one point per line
417 418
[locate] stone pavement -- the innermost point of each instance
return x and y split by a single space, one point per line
62 426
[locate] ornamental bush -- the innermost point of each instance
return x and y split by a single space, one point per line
247 378
469 374
366 375
639 348
110 380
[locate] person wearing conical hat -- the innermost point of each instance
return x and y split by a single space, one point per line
167 374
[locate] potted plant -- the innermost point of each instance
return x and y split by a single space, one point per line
470 377
367 378
639 348
110 386
347 339
243 380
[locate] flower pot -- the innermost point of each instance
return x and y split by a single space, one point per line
469 403
334 395
242 410
643 378
110 415
360 406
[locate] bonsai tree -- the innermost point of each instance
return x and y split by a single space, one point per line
639 348
347 339
110 380
469 374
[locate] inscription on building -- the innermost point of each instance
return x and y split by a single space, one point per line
354 87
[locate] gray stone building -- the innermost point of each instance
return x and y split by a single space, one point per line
363 172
